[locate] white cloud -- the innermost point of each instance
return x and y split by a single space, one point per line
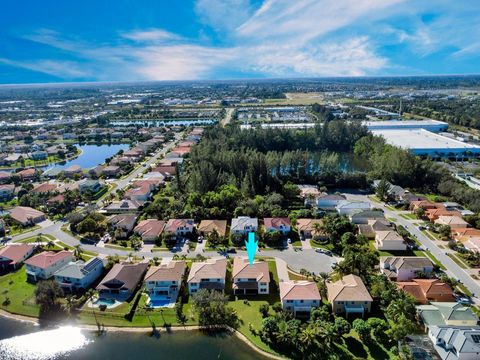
150 35
63 69
223 15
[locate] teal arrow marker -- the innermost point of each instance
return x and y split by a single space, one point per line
252 246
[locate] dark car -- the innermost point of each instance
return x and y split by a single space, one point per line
232 251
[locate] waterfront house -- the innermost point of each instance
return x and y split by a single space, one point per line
447 314
207 226
299 297
389 241
150 229
426 290
405 268
72 171
42 266
122 281
26 216
179 227
27 174
163 282
456 342
280 224
349 295
306 227
111 171
243 225
79 275
208 274
12 256
250 279
122 224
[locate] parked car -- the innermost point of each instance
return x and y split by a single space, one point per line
232 251
200 239
323 251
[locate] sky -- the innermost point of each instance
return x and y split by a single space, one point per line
150 40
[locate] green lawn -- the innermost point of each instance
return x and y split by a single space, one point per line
409 216
457 260
21 294
434 260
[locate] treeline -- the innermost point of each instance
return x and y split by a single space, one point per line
402 168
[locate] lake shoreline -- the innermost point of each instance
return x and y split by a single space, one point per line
146 330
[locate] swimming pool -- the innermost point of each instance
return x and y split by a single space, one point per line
109 303
158 303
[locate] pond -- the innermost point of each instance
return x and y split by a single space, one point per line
91 156
24 341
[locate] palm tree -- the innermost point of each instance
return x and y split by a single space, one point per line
317 228
324 277
50 244
77 251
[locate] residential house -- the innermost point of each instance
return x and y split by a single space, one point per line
452 221
306 227
179 227
139 192
373 225
299 297
122 281
166 171
389 241
111 171
89 185
243 225
27 174
434 214
79 275
207 226
329 202
122 224
362 217
209 274
7 191
249 279
447 314
39 155
471 243
12 256
426 290
26 216
164 282
150 229
350 207
349 295
405 268
72 171
425 205
44 188
282 225
123 206
42 266
456 342
4 177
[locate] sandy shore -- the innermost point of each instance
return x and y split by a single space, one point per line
145 330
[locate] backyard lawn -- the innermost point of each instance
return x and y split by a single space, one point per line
15 287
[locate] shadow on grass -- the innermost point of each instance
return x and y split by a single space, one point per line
355 347
376 351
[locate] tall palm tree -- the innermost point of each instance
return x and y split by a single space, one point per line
50 244
77 251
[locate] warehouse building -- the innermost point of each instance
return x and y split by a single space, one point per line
427 124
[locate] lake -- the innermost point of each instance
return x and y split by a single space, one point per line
91 155
25 341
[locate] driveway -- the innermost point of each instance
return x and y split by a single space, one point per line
282 270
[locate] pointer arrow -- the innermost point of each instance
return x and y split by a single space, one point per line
252 246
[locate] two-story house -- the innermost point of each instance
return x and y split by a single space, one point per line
209 274
404 268
299 297
243 225
163 282
79 275
282 225
42 266
122 281
179 227
250 279
389 240
349 295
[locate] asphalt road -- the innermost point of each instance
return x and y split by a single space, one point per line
453 269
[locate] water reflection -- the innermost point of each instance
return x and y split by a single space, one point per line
43 345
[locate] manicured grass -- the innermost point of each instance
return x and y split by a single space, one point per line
20 230
428 234
409 216
434 260
457 260
119 247
21 293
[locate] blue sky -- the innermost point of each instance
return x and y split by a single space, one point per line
130 40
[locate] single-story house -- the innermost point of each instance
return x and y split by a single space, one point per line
447 314
452 221
79 275
363 216
12 256
44 188
299 297
123 206
26 216
72 171
89 185
349 207
250 279
306 227
209 274
122 224
349 295
27 174
405 268
121 281
456 342
426 290
42 266
111 171
150 229
329 202
7 191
